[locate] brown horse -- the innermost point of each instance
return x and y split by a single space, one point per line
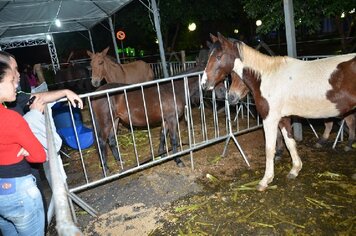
144 105
104 67
282 87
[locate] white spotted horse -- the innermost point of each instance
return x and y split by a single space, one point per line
283 86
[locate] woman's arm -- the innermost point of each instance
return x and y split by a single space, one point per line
52 96
29 142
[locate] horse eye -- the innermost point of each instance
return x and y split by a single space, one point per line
102 62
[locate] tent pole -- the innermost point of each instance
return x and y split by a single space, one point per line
159 37
113 39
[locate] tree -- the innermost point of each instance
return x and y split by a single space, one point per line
176 15
308 14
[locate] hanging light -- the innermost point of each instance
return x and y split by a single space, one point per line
48 37
192 26
258 22
58 23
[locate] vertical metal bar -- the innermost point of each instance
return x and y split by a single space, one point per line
78 142
131 127
65 225
114 129
97 136
148 123
91 42
113 39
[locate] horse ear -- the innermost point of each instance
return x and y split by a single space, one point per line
105 51
90 54
209 44
223 40
213 38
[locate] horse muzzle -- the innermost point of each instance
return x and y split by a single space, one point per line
206 86
95 82
233 99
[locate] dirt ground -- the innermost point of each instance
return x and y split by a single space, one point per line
218 197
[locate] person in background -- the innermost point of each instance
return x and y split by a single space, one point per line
34 116
30 76
21 208
24 83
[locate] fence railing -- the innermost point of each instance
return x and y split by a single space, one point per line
202 124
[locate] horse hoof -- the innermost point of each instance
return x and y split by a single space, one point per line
261 188
291 176
347 149
277 158
180 164
318 145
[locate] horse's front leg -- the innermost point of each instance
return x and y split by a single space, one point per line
292 148
162 142
270 126
174 142
113 145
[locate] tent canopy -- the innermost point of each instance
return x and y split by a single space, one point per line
31 19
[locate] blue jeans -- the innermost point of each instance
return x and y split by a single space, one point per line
21 207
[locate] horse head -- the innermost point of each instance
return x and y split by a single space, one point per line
97 66
238 89
223 53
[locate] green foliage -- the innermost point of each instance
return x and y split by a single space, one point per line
306 13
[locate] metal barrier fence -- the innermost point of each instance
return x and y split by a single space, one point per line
202 124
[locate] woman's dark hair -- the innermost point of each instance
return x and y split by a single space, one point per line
3 68
5 56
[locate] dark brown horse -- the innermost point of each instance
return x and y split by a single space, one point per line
104 67
169 100
74 77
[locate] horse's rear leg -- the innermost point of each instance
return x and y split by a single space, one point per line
292 148
322 141
351 124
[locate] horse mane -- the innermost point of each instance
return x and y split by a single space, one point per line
113 61
258 61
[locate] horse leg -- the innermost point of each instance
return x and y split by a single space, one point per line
285 122
162 142
351 124
292 148
102 147
270 126
279 146
103 138
112 145
172 124
328 126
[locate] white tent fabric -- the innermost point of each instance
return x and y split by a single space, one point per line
28 19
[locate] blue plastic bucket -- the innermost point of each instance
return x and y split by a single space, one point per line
62 120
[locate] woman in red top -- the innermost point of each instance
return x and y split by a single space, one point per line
21 208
